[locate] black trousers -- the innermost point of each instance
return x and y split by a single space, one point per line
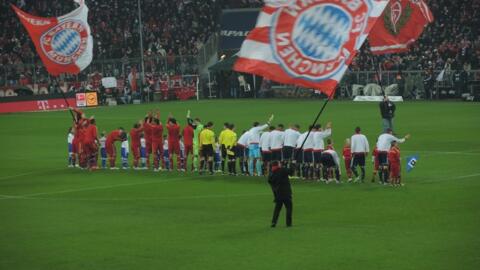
278 206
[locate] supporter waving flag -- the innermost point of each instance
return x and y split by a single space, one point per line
308 43
401 24
63 43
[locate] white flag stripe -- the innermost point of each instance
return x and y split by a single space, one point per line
264 20
257 51
441 75
378 8
390 47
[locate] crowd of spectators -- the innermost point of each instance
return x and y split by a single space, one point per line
173 29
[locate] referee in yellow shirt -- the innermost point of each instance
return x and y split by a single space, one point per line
230 141
207 140
221 141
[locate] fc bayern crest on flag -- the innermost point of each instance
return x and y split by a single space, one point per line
314 39
66 42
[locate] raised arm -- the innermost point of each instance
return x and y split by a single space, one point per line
402 140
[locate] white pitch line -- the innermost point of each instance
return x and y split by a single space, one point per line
468 176
32 196
448 179
466 153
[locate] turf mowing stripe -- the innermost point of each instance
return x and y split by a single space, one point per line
32 195
100 187
28 173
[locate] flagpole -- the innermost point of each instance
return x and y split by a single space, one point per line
68 105
376 65
316 120
140 26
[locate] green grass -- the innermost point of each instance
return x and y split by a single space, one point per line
52 217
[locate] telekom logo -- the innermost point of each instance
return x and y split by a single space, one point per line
43 105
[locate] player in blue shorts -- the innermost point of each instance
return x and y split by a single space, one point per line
103 150
218 158
125 151
70 137
166 156
143 152
183 160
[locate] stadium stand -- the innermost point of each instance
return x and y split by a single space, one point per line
175 31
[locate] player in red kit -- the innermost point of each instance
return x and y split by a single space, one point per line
80 124
347 157
157 142
80 129
114 136
91 144
376 163
173 140
135 133
147 132
188 142
394 162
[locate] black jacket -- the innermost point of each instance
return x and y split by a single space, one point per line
280 184
387 109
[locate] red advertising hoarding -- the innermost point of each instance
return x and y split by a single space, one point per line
36 105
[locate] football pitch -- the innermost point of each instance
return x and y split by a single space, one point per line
53 217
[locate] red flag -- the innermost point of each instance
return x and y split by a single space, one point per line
63 43
401 24
307 43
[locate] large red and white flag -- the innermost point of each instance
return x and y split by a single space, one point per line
401 24
63 43
308 43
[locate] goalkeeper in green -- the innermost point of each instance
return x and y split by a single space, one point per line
197 128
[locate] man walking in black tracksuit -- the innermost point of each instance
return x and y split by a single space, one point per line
387 110
282 192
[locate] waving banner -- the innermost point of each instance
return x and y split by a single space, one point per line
402 24
308 43
64 43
